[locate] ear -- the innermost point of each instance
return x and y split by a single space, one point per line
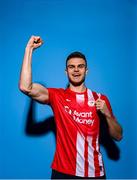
86 70
66 72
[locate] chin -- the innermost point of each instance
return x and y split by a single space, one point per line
76 83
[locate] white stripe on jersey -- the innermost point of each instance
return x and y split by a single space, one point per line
80 147
80 98
91 167
91 100
100 160
90 95
80 159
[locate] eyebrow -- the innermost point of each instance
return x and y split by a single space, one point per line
75 65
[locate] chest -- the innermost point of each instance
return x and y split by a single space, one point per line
76 112
79 106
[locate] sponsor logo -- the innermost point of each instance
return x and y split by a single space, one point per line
91 103
80 117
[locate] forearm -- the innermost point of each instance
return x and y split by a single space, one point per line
115 129
25 82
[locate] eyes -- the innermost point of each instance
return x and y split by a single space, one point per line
80 66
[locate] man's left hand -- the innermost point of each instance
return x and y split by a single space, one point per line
101 105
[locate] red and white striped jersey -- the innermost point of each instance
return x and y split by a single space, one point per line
77 148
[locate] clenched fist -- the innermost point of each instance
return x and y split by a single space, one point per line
34 42
101 105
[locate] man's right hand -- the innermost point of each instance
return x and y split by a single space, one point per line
34 42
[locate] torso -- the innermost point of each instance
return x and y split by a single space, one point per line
77 150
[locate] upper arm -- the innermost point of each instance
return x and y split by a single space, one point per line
39 93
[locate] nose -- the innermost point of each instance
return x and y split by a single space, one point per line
76 69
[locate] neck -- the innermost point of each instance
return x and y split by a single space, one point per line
81 88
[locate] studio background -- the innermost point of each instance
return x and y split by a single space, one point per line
105 31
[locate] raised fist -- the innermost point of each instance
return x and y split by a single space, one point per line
34 42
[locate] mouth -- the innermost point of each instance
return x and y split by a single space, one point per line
76 75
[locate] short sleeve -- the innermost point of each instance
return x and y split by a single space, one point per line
105 98
52 92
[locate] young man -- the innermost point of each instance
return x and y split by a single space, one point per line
76 114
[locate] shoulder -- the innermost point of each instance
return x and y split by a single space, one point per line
54 91
55 94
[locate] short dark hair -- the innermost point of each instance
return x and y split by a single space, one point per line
76 54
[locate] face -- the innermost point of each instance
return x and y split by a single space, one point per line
76 71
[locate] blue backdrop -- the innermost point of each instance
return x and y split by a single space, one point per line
105 31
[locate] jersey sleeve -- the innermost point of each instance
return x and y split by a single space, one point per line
105 98
54 95
52 92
